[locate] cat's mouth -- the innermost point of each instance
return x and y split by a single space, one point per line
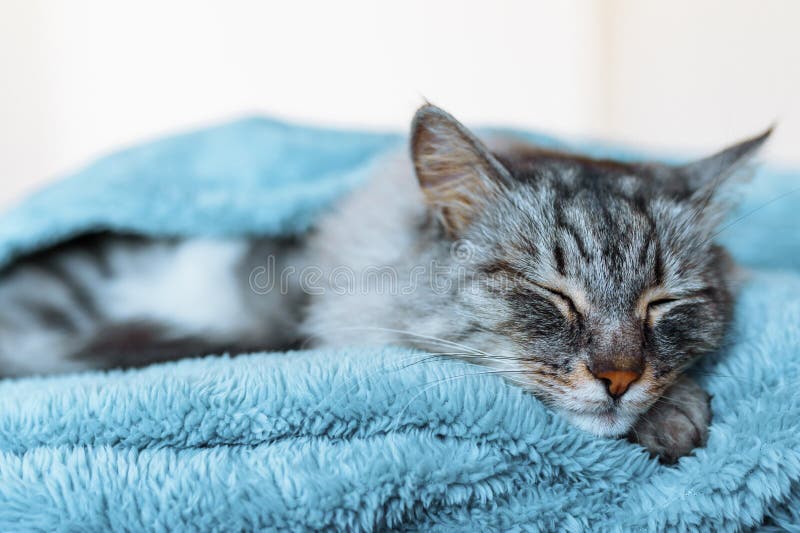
611 421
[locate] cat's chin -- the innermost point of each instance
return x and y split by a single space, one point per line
608 424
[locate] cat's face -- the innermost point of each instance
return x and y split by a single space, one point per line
592 283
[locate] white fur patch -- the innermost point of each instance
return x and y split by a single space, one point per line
190 286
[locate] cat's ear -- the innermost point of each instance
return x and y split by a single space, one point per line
456 172
704 176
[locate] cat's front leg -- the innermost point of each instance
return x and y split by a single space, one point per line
677 423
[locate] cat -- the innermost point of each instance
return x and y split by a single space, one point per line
592 283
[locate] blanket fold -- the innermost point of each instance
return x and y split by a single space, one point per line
369 439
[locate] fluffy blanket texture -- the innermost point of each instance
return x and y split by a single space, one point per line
371 439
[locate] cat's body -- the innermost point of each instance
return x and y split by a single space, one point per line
107 301
593 284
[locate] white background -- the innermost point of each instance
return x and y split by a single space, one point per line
80 78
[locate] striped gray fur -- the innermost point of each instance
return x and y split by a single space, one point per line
542 265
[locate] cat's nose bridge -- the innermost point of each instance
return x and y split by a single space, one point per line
617 359
617 340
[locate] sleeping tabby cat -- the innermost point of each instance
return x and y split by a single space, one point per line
592 283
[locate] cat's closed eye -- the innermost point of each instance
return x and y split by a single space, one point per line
657 307
562 301
507 276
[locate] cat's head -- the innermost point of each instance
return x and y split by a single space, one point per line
594 283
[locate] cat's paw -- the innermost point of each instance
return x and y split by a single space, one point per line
677 423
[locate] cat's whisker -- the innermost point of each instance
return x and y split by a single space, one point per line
430 338
636 434
473 353
755 210
720 375
354 380
676 402
441 340
424 357
431 385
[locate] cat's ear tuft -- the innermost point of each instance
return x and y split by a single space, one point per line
705 175
456 172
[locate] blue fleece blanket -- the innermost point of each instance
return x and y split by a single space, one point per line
371 439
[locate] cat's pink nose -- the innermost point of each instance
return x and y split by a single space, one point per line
617 381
